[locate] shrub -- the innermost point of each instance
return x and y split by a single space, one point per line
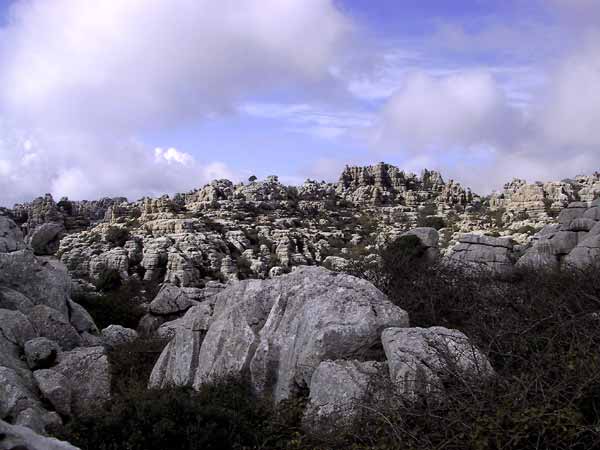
431 222
121 306
108 280
117 236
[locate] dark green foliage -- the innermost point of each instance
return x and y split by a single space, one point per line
108 280
117 236
243 267
222 415
431 222
120 306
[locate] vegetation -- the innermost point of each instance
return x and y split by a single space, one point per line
539 330
117 236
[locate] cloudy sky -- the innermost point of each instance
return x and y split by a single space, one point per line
144 97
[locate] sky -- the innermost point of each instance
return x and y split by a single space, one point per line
146 97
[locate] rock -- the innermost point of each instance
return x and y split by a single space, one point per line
115 335
41 353
421 359
53 325
540 256
11 238
338 390
16 394
178 361
81 319
429 237
484 252
14 437
574 211
56 389
169 300
13 300
87 372
336 263
586 254
45 239
280 329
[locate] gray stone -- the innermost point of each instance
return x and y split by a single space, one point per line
429 237
574 211
11 238
13 437
169 300
16 394
56 389
281 329
586 254
52 324
115 335
45 239
582 224
338 390
88 374
421 359
81 319
14 300
41 353
483 252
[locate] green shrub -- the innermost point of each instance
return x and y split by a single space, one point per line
431 222
117 236
108 280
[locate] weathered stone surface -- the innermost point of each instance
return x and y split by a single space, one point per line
587 253
88 374
45 239
56 389
13 437
281 329
338 390
81 319
16 394
421 359
53 325
11 238
170 299
41 353
115 335
197 318
429 237
484 252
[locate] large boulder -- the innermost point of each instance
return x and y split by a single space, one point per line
45 239
87 372
41 353
338 390
116 335
169 300
56 389
11 238
484 252
14 437
429 238
421 359
279 330
53 325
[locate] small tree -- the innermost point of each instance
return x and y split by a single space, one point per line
117 236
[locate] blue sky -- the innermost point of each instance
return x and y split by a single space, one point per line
132 97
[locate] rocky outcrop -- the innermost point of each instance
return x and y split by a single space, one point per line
281 329
574 242
483 253
45 239
11 238
421 359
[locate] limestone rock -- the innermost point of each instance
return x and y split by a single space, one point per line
45 239
41 353
53 325
13 437
484 252
170 299
338 389
421 359
281 329
11 238
115 335
87 372
56 389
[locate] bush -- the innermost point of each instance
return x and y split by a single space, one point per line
222 415
431 222
108 280
117 236
121 306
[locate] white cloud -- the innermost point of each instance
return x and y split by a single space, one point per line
90 77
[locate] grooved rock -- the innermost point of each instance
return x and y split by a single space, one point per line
281 329
484 252
421 359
